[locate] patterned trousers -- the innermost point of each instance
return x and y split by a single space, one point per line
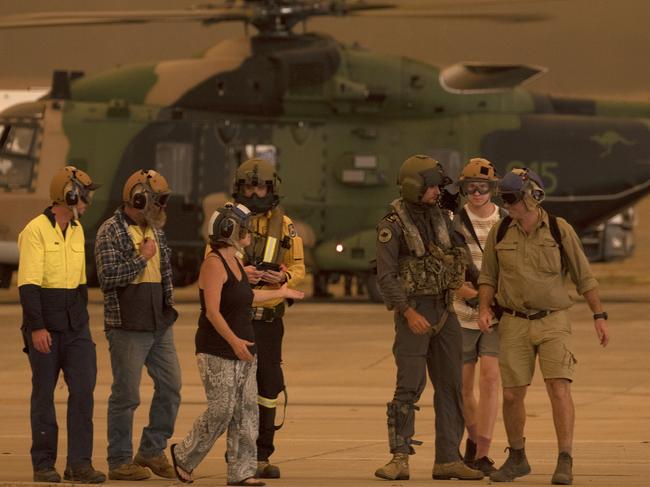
231 389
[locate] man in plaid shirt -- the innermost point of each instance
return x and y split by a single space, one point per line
134 270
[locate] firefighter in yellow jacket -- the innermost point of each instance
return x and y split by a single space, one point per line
54 297
275 256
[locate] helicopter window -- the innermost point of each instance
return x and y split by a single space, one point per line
15 173
19 140
263 151
365 162
175 161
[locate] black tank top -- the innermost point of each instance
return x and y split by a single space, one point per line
236 302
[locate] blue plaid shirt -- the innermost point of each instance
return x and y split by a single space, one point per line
119 263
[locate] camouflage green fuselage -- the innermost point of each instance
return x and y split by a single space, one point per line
339 122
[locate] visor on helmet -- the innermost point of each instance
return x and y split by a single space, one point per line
471 186
511 198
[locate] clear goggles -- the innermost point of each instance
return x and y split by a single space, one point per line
480 187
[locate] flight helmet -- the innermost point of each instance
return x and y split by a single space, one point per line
522 184
144 187
70 185
229 224
418 173
257 172
478 170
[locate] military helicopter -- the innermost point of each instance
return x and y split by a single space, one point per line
336 120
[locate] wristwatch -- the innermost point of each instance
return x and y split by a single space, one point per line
600 316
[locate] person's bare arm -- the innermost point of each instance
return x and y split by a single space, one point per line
593 299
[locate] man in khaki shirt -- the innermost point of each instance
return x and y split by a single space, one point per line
523 268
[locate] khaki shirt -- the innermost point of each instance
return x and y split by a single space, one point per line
526 270
293 257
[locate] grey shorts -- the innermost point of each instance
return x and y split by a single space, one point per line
476 344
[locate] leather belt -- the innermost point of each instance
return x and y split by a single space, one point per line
267 314
535 316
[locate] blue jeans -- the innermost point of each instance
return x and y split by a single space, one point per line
130 351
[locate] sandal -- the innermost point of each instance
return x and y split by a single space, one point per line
178 469
250 481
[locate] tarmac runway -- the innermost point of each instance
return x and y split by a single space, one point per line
340 373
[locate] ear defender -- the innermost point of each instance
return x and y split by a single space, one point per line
538 195
71 194
226 228
139 199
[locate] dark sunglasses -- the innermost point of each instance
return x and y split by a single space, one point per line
511 198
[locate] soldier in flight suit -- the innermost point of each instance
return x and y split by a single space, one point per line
275 256
419 264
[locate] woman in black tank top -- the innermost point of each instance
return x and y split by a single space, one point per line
225 349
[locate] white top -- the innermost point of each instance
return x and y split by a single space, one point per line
467 316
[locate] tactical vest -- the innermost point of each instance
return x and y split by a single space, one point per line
269 248
427 271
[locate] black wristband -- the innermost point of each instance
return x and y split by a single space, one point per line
601 316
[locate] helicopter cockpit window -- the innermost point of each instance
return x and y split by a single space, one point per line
263 151
175 160
16 163
19 140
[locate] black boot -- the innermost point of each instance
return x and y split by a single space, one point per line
516 465
470 451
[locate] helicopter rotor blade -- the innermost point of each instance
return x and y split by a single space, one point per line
63 19
485 16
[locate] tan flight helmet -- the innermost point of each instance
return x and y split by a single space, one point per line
418 173
257 172
144 187
69 185
478 170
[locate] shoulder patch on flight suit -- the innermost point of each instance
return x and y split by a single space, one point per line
391 217
384 235
292 230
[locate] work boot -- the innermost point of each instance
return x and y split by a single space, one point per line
470 451
484 464
455 470
516 465
158 465
128 471
396 469
563 474
85 474
47 475
266 470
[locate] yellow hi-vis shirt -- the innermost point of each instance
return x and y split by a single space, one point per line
49 259
151 272
52 274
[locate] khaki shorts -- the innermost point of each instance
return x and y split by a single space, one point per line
521 340
476 344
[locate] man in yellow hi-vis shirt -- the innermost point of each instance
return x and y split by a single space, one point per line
275 256
54 297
